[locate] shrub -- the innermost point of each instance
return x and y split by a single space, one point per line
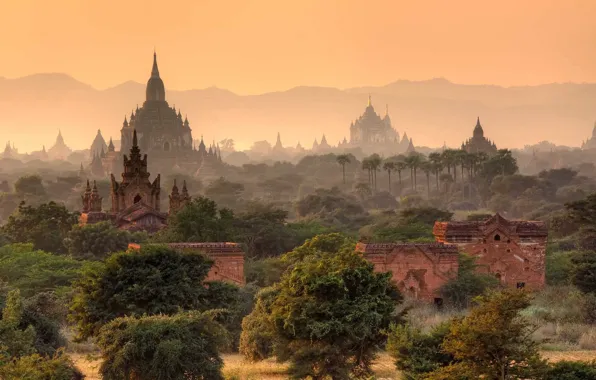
34 271
37 367
568 370
183 346
417 353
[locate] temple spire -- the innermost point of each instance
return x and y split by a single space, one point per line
155 70
135 143
369 100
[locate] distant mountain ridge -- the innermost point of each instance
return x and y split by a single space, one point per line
431 112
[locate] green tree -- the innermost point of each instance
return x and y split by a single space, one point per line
584 274
182 346
424 215
257 339
437 165
343 159
45 226
417 353
30 185
14 341
467 284
389 166
225 193
503 163
375 163
583 214
33 271
330 311
152 280
493 341
96 241
263 231
400 166
200 221
414 161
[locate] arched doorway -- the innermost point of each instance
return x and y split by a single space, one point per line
497 237
166 146
138 198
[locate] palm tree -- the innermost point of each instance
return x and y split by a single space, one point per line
375 163
399 167
343 159
437 165
461 157
366 166
413 161
449 160
446 178
427 167
389 166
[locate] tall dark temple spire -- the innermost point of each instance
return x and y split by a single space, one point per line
155 70
156 90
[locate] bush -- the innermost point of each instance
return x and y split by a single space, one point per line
568 370
34 271
258 336
183 346
37 367
417 353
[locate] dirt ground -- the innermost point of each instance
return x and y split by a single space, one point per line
236 368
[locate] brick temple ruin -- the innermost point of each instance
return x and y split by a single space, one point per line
228 259
419 270
511 250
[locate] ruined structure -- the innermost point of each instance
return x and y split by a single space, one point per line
478 143
135 199
419 270
511 250
228 259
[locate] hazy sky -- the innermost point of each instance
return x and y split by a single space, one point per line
254 46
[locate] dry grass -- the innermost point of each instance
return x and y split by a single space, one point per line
236 368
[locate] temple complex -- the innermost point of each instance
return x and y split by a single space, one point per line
591 142
511 250
161 130
371 130
478 143
419 270
228 259
135 199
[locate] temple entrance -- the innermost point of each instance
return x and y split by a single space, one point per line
166 146
497 237
138 198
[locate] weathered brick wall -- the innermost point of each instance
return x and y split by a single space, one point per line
511 250
512 261
419 270
228 259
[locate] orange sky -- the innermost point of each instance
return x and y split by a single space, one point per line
253 46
